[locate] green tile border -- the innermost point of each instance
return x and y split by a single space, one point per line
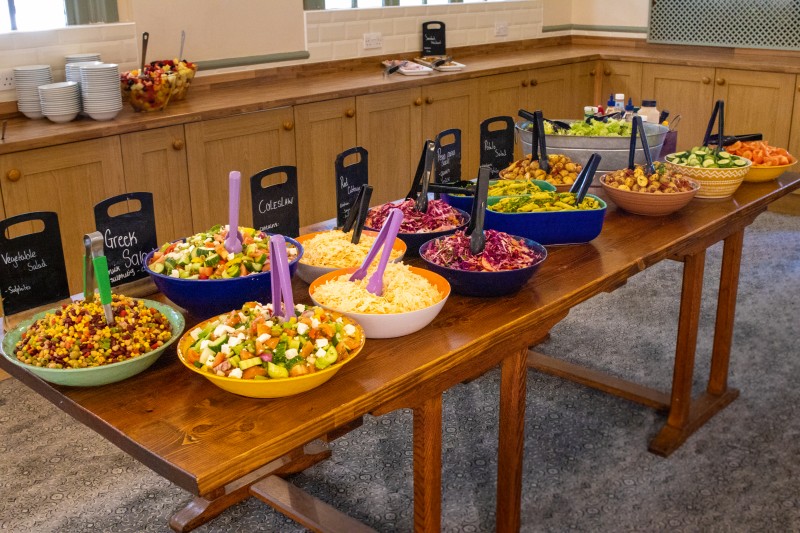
228 62
590 27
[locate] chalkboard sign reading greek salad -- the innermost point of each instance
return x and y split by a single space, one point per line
127 238
497 144
32 270
349 179
275 207
448 156
433 38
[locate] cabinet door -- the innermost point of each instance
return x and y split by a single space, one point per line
323 131
756 102
155 161
622 77
684 91
389 126
68 179
454 105
247 143
794 140
585 87
503 94
550 89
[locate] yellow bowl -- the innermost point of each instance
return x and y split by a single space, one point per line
714 182
267 388
388 326
760 173
309 273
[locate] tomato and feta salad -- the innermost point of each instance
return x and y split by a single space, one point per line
254 343
203 256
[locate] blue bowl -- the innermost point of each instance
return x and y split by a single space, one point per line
465 202
415 240
204 298
550 227
487 284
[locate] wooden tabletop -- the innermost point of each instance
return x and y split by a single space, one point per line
223 95
200 437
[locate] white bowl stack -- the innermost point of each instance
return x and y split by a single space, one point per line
102 98
77 58
27 79
60 101
73 73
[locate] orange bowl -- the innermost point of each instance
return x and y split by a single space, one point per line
759 173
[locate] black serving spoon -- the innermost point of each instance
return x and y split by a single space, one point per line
421 204
538 144
477 239
638 127
584 179
358 213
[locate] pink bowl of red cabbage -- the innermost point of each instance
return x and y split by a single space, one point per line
417 228
505 265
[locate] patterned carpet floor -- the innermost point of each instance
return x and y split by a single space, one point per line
587 467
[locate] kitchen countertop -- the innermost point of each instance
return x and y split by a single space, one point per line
221 96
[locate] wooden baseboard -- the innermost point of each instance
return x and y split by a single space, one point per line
3 376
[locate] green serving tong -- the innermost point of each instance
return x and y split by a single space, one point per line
95 268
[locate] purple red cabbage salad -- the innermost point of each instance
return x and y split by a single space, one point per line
501 252
439 216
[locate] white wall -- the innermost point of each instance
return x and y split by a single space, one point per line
610 12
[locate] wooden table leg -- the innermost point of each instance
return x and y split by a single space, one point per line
428 465
204 508
511 439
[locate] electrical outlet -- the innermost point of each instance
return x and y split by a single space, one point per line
7 79
501 29
373 40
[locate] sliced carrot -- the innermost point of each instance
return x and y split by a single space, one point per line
254 371
244 354
192 356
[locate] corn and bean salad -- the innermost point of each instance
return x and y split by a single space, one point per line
77 336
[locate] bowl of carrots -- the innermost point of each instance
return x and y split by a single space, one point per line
769 162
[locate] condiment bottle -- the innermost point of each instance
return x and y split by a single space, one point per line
629 110
619 104
649 112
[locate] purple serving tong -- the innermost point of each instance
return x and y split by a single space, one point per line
281 279
233 242
384 240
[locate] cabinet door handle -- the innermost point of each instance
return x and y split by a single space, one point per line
13 175
534 83
706 80
429 100
607 72
592 72
524 83
177 144
350 113
418 101
720 81
288 125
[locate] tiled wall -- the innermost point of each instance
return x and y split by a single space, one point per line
339 34
116 43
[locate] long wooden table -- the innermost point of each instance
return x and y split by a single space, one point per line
224 448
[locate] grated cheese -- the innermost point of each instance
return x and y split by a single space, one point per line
334 249
403 291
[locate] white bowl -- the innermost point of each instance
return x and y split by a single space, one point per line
62 118
390 325
103 115
33 114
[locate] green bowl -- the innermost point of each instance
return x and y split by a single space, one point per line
98 375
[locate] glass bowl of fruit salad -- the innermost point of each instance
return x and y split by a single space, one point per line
661 193
149 91
184 72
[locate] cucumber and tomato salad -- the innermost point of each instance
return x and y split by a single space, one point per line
253 343
703 156
203 255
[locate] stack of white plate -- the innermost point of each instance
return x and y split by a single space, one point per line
100 91
60 101
76 58
27 79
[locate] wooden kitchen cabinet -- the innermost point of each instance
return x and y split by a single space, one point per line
550 89
454 105
68 179
389 126
684 91
585 87
794 140
756 102
502 94
621 77
323 131
247 143
155 161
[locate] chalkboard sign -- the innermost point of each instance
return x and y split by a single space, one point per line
127 238
275 207
497 146
32 270
433 38
448 157
349 180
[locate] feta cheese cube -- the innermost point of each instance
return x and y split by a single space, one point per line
291 352
300 308
350 329
234 341
236 373
320 352
314 323
226 349
302 328
204 344
264 337
269 323
196 333
321 343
